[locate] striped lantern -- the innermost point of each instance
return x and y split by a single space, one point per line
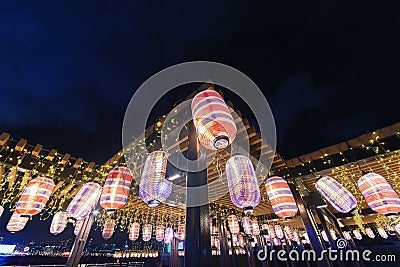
1 210
347 235
181 231
357 234
216 243
84 201
324 236
233 224
247 225
333 234
78 226
16 223
336 194
281 197
153 187
234 239
242 183
35 196
240 240
108 229
370 233
382 232
397 228
278 231
255 228
116 189
214 124
288 232
147 231
295 236
378 193
271 231
160 232
134 231
59 222
169 235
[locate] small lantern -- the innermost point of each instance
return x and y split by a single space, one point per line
255 229
346 235
281 197
169 235
288 232
233 224
134 231
278 231
147 231
181 231
59 222
16 223
84 201
382 233
160 232
78 226
370 233
1 210
333 234
271 231
247 225
108 229
357 234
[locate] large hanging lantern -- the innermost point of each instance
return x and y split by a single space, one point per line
278 231
233 224
378 193
84 201
255 228
281 197
160 232
1 210
247 225
153 187
134 231
242 183
108 229
181 231
370 233
169 235
35 196
16 223
382 232
336 194
214 124
78 226
116 189
357 234
59 222
147 231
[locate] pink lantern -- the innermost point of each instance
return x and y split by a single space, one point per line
247 225
108 229
16 223
160 232
153 187
169 235
295 236
240 240
370 233
147 231
233 223
78 227
35 196
271 231
382 232
181 231
134 231
281 197
116 189
357 234
378 193
278 231
242 183
59 222
277 242
214 124
346 235
255 229
336 194
84 201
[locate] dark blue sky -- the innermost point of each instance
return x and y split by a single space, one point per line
69 68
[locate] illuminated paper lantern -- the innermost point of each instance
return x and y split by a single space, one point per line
153 187
247 225
108 229
233 224
281 197
271 231
378 194
147 231
240 240
16 223
134 231
277 242
160 232
35 196
333 234
181 231
255 229
116 189
288 232
169 235
382 232
59 222
336 194
370 233
357 234
234 239
295 236
242 183
78 227
346 235
216 243
213 121
278 231
84 201
397 228
324 236
1 210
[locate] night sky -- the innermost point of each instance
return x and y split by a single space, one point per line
69 68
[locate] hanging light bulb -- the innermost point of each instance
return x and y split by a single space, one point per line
116 189
169 235
16 223
84 201
147 229
160 232
247 225
134 231
213 121
153 187
281 197
233 224
59 222
242 183
108 229
378 194
382 232
336 194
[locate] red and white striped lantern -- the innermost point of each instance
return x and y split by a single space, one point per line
233 224
288 232
247 225
160 232
281 197
59 222
78 226
16 223
116 189
181 231
108 229
278 231
84 201
255 229
147 231
271 231
214 124
134 231
169 235
379 194
35 196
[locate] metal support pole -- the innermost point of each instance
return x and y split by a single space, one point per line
224 257
197 241
173 258
79 243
